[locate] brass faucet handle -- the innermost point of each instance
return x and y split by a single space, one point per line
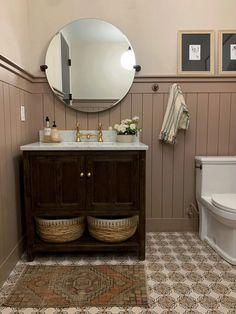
99 126
100 139
78 134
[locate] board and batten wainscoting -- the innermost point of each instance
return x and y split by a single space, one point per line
170 180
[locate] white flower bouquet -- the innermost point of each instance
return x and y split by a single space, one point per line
127 127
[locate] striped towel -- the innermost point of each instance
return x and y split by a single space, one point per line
176 116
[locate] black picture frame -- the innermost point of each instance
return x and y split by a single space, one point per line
227 52
196 53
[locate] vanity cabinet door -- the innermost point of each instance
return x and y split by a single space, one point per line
113 181
71 183
57 182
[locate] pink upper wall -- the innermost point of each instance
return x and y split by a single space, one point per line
26 26
14 32
150 25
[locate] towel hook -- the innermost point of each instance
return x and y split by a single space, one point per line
155 87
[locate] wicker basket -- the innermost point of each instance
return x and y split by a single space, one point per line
60 230
112 230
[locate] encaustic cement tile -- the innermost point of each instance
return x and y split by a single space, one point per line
184 275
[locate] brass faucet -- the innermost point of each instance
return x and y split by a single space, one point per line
89 135
99 135
78 134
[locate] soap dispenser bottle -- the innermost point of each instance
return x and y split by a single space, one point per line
55 133
47 132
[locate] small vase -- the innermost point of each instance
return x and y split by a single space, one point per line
125 138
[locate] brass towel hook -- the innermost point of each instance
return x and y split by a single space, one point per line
155 87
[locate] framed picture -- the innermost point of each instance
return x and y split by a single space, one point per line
227 52
196 53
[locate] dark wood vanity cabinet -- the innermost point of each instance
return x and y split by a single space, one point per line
82 183
114 182
55 182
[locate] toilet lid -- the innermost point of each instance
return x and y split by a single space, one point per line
225 201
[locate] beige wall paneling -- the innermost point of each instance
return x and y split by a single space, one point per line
48 107
137 109
10 222
15 90
167 177
35 117
232 139
92 121
157 155
2 179
178 177
104 118
115 114
82 119
31 117
224 124
70 119
60 114
125 109
167 181
36 123
189 153
147 139
13 117
213 124
202 118
15 217
7 174
23 124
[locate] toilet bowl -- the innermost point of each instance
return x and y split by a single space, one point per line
216 198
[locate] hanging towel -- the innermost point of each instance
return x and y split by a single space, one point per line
176 116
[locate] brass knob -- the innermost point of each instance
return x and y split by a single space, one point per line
89 174
81 174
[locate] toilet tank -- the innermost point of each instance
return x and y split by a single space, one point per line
215 175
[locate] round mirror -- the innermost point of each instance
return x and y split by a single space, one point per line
90 65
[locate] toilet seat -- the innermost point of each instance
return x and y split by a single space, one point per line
226 201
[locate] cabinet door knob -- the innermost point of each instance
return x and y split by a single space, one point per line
89 174
81 174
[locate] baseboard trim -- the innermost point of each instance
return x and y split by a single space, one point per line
171 224
9 263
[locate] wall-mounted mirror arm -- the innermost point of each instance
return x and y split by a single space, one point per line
137 67
43 67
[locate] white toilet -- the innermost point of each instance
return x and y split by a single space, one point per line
216 198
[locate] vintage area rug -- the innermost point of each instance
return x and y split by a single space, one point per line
77 286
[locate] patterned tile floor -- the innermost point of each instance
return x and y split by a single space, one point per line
184 275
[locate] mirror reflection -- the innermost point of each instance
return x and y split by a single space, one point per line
90 65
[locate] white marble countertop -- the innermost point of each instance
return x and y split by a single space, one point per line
65 146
